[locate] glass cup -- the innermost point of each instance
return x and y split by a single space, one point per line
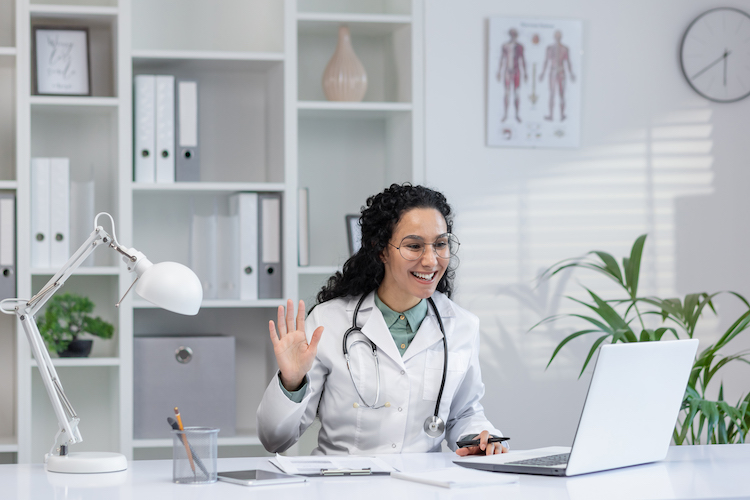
194 452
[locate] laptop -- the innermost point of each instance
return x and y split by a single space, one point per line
631 408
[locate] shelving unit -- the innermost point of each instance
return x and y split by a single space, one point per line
265 126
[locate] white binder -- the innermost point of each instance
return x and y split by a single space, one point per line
187 166
303 227
269 217
144 106
164 128
203 253
40 213
7 245
227 252
60 211
245 207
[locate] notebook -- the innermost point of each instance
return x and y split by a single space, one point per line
631 408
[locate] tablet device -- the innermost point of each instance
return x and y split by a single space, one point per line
257 477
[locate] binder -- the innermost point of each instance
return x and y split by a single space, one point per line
187 165
227 251
164 128
203 253
145 128
40 213
303 227
7 245
245 207
59 211
269 247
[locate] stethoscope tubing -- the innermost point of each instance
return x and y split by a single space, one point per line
355 328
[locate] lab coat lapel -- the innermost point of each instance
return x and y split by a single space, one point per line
374 327
429 331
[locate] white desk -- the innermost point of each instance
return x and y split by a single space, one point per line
690 472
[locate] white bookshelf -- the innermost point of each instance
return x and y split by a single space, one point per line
268 128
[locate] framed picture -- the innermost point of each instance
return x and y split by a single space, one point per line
354 232
534 82
61 57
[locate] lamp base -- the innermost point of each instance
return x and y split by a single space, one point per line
87 462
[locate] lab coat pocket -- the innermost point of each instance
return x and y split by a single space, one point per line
433 373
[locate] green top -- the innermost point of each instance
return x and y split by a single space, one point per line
403 328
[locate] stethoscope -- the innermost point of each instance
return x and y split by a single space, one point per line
433 425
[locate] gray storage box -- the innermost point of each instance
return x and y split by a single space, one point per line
194 373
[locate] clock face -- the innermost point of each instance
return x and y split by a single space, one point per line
715 55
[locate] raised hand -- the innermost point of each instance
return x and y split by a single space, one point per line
293 354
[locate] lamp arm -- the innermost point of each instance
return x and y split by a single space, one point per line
67 418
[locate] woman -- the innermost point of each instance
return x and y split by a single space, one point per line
403 265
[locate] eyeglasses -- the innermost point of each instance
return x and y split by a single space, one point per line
412 247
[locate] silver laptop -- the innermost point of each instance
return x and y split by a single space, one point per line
631 408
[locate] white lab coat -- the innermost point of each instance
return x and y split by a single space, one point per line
409 383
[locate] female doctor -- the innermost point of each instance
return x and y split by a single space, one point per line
390 312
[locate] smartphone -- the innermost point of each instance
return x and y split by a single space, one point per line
475 442
257 477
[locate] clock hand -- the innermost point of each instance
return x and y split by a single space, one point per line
723 56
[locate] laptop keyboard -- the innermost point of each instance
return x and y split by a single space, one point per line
544 461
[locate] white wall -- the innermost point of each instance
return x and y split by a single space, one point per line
655 157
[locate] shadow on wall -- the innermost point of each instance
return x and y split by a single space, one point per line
604 200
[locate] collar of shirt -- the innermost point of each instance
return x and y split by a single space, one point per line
413 316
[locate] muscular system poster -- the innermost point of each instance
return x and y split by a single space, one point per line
534 82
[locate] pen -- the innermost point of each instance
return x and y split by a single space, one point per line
475 442
197 459
184 438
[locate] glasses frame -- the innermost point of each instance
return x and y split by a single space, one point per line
450 236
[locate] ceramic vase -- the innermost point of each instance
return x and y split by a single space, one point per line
344 79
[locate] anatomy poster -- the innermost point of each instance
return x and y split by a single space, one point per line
534 83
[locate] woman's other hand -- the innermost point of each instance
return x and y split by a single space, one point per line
484 448
293 354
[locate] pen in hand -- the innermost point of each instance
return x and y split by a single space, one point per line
475 442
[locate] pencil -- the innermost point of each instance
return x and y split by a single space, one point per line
184 438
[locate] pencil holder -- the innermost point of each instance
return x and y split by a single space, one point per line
194 453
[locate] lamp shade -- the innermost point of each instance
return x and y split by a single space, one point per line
171 286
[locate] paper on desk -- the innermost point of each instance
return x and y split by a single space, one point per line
457 477
311 466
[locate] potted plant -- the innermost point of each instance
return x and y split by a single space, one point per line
634 318
66 317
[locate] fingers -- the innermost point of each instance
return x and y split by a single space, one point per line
315 338
289 316
274 335
301 316
280 321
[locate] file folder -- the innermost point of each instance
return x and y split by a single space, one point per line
303 227
164 128
60 214
40 213
227 251
245 207
144 106
7 245
269 222
187 165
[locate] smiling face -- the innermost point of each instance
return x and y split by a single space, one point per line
406 282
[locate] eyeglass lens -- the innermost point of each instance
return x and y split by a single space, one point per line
413 248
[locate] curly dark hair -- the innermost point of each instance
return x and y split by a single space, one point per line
364 271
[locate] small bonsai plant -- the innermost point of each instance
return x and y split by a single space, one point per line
66 317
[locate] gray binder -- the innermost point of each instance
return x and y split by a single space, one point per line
269 246
7 245
195 373
187 164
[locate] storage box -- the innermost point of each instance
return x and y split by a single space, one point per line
195 373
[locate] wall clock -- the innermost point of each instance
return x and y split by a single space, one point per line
715 54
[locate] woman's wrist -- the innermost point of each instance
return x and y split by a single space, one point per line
291 384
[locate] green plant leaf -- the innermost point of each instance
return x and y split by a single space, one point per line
633 266
610 266
593 349
565 341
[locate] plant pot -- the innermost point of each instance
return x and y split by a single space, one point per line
77 349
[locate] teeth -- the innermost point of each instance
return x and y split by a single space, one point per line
424 276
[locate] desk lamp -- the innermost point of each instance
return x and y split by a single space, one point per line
168 285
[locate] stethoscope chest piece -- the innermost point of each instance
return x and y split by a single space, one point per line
434 426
